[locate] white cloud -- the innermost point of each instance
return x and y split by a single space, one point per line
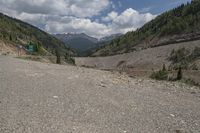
79 25
111 16
62 16
78 8
128 20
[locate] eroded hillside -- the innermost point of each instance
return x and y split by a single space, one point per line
143 62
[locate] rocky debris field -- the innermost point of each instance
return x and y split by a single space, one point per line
147 59
142 63
46 98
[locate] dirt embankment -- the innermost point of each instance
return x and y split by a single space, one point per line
10 49
139 63
7 48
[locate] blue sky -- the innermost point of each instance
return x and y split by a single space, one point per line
96 18
153 6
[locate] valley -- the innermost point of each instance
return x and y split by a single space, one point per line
65 68
83 44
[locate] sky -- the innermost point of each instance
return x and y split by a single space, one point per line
97 18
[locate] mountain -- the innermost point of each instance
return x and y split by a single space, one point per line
177 25
84 44
79 42
16 32
110 38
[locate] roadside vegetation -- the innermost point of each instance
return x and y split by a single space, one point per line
161 74
164 74
184 58
168 75
181 60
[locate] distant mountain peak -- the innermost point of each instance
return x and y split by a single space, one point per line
82 42
78 41
110 37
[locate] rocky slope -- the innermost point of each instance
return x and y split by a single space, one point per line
142 62
9 49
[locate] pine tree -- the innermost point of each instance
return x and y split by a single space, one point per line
10 38
58 60
179 74
164 68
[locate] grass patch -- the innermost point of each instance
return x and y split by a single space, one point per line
160 75
184 58
163 74
190 82
168 75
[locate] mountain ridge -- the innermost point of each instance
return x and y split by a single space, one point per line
79 42
84 43
17 32
167 28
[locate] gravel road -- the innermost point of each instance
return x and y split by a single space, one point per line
46 98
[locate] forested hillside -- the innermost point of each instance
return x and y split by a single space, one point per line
80 42
179 24
20 33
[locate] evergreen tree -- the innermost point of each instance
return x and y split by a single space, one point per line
10 37
179 74
58 60
164 68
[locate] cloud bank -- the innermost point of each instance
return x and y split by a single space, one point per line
64 16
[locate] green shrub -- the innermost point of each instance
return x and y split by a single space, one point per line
195 54
194 66
190 82
179 56
71 61
164 68
179 74
183 57
58 59
160 75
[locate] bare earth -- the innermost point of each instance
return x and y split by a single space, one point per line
46 98
147 59
141 63
9 49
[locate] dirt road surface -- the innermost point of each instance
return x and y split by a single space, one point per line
46 98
